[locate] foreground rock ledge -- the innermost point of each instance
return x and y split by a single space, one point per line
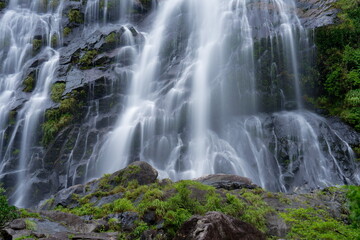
133 204
215 225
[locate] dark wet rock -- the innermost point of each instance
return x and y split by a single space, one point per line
73 222
140 171
150 217
346 133
227 181
149 235
127 220
17 224
108 199
65 198
10 234
276 226
215 225
316 13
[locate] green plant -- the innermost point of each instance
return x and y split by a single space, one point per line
75 16
111 38
339 63
29 83
54 40
7 212
37 43
30 225
67 31
308 223
353 196
87 59
57 119
57 91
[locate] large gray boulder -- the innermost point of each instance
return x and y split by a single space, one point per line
215 225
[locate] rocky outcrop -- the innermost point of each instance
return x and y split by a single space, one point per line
133 204
215 225
317 13
227 181
56 225
141 172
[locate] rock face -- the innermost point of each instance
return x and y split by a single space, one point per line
56 225
133 204
226 181
316 13
141 172
215 225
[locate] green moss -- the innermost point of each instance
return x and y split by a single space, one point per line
67 31
58 118
25 237
30 225
122 205
2 5
86 60
353 196
339 64
37 43
111 38
54 40
75 16
57 91
312 223
7 212
29 83
174 203
16 152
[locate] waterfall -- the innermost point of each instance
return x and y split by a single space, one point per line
24 29
195 100
195 87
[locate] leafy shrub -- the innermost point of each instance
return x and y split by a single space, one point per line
353 196
339 63
7 212
56 91
317 224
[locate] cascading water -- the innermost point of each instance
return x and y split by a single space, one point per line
101 11
194 102
24 28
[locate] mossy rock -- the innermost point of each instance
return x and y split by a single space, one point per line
29 83
37 44
75 16
87 59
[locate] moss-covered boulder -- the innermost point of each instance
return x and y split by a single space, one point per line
135 204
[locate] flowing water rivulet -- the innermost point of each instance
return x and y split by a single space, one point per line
213 88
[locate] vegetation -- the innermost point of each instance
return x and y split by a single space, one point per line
57 119
30 225
37 43
353 196
174 203
29 83
57 91
7 212
67 31
54 40
86 60
339 64
75 16
111 38
308 223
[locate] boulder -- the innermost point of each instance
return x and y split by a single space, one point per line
226 181
140 171
18 224
215 225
